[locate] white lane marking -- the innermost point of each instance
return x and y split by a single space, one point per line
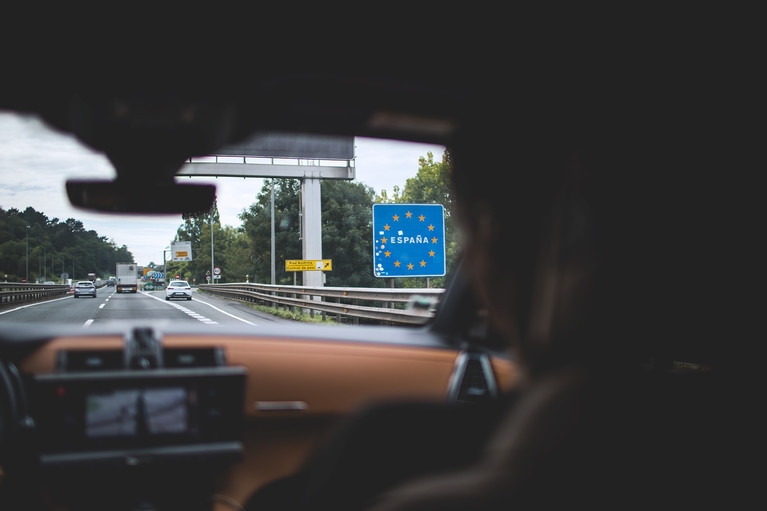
183 309
33 304
102 305
87 323
224 312
209 305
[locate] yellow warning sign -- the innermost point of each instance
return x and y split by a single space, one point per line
309 265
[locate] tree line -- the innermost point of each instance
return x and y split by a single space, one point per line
245 251
55 248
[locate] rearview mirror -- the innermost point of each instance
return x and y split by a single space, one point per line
121 197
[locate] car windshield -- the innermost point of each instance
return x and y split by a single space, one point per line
270 284
383 221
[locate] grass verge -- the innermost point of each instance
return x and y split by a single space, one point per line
295 316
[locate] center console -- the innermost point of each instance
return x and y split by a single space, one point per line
132 418
144 427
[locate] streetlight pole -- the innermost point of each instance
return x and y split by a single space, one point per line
165 267
27 274
212 275
272 228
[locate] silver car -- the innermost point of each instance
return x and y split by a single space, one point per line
85 288
178 289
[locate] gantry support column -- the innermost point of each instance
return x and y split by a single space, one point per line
311 227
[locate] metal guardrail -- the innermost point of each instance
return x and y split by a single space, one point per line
16 292
11 292
342 301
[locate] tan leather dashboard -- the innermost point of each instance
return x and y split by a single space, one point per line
326 377
296 388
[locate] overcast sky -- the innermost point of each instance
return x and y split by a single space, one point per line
36 161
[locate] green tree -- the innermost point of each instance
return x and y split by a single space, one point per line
346 232
431 185
55 247
347 223
256 223
227 255
196 229
238 265
384 198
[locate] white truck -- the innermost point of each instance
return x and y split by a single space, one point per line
127 277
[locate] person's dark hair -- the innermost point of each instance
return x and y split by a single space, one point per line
562 236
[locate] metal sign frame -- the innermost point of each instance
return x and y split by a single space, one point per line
307 157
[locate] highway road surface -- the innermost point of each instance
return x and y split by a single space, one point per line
144 305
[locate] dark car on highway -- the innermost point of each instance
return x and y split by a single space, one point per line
85 288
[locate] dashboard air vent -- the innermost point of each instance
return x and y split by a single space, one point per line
194 357
472 379
90 360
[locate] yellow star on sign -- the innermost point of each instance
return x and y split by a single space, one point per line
396 263
386 227
383 240
421 218
431 253
410 266
431 227
387 253
434 240
396 218
408 214
423 263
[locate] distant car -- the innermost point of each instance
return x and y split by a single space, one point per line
178 289
85 288
111 281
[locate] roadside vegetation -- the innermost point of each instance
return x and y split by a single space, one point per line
244 251
346 230
55 247
295 316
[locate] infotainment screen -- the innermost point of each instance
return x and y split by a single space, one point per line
112 414
132 412
149 414
167 410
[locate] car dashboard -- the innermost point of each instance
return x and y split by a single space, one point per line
168 418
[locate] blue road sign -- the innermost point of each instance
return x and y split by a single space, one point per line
408 240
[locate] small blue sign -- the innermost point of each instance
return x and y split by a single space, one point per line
408 240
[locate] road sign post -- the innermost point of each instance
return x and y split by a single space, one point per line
409 240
